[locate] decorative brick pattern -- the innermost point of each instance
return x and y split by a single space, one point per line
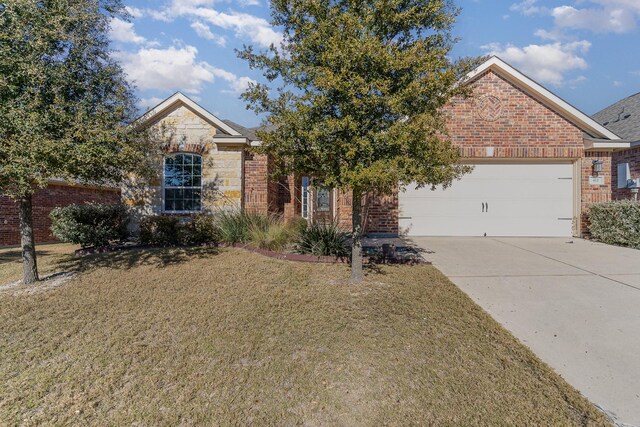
632 157
44 201
524 128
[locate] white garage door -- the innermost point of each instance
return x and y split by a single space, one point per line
496 199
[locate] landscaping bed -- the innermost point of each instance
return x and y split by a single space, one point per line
221 336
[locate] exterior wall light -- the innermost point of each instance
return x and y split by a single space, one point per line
597 166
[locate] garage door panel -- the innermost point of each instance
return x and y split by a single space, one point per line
522 199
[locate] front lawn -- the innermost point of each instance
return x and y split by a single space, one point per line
201 337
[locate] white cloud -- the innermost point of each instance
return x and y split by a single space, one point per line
547 63
614 19
134 12
175 68
599 16
148 103
527 7
124 32
244 25
203 30
553 35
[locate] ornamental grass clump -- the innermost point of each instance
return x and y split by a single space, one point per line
323 239
276 236
616 223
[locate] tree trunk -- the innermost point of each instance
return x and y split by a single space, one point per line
356 245
27 241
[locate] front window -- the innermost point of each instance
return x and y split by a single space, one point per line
183 183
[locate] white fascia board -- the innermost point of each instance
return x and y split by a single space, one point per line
543 95
182 98
616 145
230 140
256 143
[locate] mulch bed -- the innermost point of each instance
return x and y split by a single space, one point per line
286 256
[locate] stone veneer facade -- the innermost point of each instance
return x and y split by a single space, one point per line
222 165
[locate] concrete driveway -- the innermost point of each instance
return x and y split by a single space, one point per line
575 303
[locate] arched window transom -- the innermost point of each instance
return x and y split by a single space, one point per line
183 183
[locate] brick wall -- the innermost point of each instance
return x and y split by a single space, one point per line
344 209
44 201
290 197
594 193
632 157
509 122
260 191
381 213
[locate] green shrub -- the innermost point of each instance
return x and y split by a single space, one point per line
201 229
616 223
161 230
91 224
323 239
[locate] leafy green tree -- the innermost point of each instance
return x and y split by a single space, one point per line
64 103
361 86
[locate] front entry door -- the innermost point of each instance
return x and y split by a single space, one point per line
323 205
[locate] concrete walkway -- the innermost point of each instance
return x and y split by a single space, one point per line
575 303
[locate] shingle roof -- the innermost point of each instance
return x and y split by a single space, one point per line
622 118
250 133
246 132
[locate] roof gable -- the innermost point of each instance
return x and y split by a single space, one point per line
543 95
179 99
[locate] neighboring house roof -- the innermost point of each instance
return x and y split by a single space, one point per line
623 118
560 106
250 133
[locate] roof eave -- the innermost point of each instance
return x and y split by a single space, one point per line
596 144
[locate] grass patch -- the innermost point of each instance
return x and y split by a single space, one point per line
49 257
199 337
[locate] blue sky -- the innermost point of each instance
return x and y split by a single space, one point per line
585 51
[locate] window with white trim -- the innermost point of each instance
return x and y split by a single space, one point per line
305 197
182 183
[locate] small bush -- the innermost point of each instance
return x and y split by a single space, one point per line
616 223
91 224
323 239
161 230
202 229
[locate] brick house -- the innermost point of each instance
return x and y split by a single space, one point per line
623 118
57 194
539 163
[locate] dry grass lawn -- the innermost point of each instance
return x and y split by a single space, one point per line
199 337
